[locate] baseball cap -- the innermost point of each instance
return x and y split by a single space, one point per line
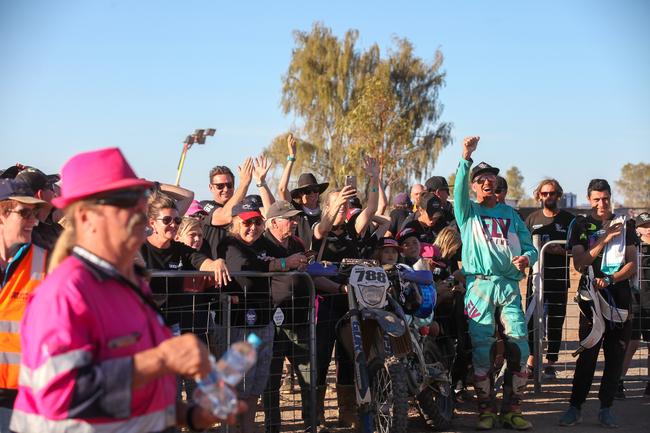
436 182
405 234
402 199
389 243
36 179
11 189
483 168
10 173
431 203
642 219
282 209
246 210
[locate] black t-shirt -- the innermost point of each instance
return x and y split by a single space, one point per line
305 224
585 231
424 234
255 303
338 246
290 293
554 228
366 242
397 217
212 235
177 305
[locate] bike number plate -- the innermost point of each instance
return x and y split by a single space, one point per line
370 285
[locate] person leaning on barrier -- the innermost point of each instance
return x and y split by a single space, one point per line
335 240
551 224
96 353
497 248
291 314
641 305
22 267
606 246
252 310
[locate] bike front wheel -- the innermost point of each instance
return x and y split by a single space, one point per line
389 393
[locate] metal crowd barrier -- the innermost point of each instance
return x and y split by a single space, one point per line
570 337
220 317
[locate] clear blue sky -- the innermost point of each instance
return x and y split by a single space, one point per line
557 88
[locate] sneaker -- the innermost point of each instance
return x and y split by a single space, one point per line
515 421
646 393
620 391
606 419
571 417
486 421
550 373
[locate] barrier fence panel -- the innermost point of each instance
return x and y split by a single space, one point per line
279 308
554 317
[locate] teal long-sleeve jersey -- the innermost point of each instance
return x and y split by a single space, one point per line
491 236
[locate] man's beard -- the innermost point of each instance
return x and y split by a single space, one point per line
551 205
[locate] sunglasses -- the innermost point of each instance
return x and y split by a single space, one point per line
312 190
26 213
253 221
221 186
123 199
547 193
167 220
481 180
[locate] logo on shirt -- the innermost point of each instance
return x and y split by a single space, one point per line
559 228
208 208
471 311
251 317
496 229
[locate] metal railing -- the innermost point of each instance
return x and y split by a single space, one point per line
220 316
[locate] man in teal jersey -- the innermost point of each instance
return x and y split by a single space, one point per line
497 248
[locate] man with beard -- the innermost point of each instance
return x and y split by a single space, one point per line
497 248
224 198
551 224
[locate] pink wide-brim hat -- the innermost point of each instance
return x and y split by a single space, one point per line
90 173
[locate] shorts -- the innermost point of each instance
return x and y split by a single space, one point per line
254 382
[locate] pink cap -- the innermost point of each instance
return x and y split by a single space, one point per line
195 208
94 172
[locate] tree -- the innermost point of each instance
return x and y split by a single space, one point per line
634 184
515 183
352 103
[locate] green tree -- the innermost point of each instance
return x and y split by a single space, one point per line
515 183
351 103
634 184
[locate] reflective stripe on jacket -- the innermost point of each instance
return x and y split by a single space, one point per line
24 273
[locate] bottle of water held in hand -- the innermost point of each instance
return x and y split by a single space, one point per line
216 392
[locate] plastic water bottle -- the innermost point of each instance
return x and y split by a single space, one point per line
216 392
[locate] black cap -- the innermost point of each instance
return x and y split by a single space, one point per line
642 219
36 179
483 168
435 183
12 189
406 233
253 200
10 173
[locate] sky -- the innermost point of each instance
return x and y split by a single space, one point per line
557 88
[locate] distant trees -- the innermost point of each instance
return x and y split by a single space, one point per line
634 185
515 183
352 102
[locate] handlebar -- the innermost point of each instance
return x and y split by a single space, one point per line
324 269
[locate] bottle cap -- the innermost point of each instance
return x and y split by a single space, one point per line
254 340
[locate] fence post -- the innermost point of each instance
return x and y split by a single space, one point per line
312 357
538 317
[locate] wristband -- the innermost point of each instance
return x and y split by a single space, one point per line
283 264
291 158
609 279
188 418
261 184
373 190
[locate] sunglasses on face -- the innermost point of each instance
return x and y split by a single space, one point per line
123 199
482 179
26 213
312 190
221 186
253 221
167 220
548 193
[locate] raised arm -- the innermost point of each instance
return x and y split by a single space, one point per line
371 167
283 190
183 197
222 216
259 173
327 220
383 200
461 184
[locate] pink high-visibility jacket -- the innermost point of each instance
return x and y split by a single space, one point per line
79 334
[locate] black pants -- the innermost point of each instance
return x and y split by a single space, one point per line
291 342
555 299
614 343
330 310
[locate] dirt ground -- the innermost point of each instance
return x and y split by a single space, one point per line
542 409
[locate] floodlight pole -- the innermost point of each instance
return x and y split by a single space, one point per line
197 137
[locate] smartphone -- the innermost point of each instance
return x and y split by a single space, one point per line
351 180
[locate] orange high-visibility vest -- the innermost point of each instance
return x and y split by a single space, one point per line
13 300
